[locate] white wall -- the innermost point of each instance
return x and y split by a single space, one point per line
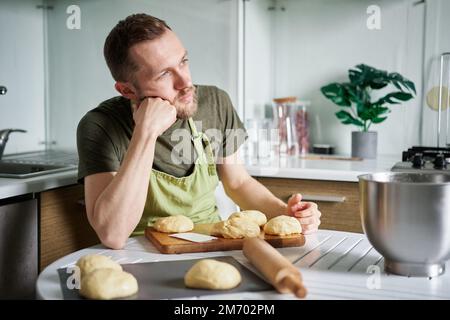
316 42
22 72
79 78
437 42
259 57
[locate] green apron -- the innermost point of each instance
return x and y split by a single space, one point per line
192 196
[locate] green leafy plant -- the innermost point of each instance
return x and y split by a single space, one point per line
355 96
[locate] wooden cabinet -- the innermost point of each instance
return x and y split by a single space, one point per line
64 227
338 201
18 247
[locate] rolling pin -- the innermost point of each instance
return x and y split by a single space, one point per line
278 270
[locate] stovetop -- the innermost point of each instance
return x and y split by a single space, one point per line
426 159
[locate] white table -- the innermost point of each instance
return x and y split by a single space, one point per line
334 265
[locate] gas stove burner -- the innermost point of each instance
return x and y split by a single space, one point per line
428 159
426 152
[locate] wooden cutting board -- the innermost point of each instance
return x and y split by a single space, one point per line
166 244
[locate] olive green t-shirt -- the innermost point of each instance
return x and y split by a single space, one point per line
104 133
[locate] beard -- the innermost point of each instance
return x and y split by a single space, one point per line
186 110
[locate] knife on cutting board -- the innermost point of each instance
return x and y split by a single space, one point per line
193 237
200 233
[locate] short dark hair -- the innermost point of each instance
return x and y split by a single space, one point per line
128 32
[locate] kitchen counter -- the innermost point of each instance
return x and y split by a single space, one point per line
334 265
11 187
16 187
333 170
293 168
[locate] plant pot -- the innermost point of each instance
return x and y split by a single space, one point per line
364 144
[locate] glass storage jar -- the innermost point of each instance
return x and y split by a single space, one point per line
292 124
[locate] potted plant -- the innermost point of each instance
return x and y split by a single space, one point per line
358 108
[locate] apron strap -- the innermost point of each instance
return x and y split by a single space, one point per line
193 128
205 155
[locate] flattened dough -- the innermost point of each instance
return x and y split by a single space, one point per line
256 216
212 274
174 224
92 262
236 228
282 226
106 284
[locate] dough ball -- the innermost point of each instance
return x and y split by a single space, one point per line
174 224
212 274
236 228
92 262
106 284
256 216
283 226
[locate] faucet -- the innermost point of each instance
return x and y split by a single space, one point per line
4 135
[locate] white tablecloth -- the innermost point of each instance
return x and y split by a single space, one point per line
334 265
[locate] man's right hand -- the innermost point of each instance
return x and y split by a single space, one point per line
115 200
153 116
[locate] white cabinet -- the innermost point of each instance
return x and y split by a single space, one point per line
294 47
22 72
78 74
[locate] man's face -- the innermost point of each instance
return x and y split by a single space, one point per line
163 71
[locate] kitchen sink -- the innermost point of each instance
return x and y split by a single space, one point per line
34 164
28 170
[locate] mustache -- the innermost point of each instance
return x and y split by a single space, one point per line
179 96
185 92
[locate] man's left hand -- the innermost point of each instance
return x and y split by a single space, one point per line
307 213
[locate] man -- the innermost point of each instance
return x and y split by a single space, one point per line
129 151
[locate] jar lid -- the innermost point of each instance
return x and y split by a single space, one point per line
285 100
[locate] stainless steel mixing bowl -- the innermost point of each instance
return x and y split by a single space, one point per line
406 217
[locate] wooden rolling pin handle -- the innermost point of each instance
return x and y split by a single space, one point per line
278 270
292 284
289 280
